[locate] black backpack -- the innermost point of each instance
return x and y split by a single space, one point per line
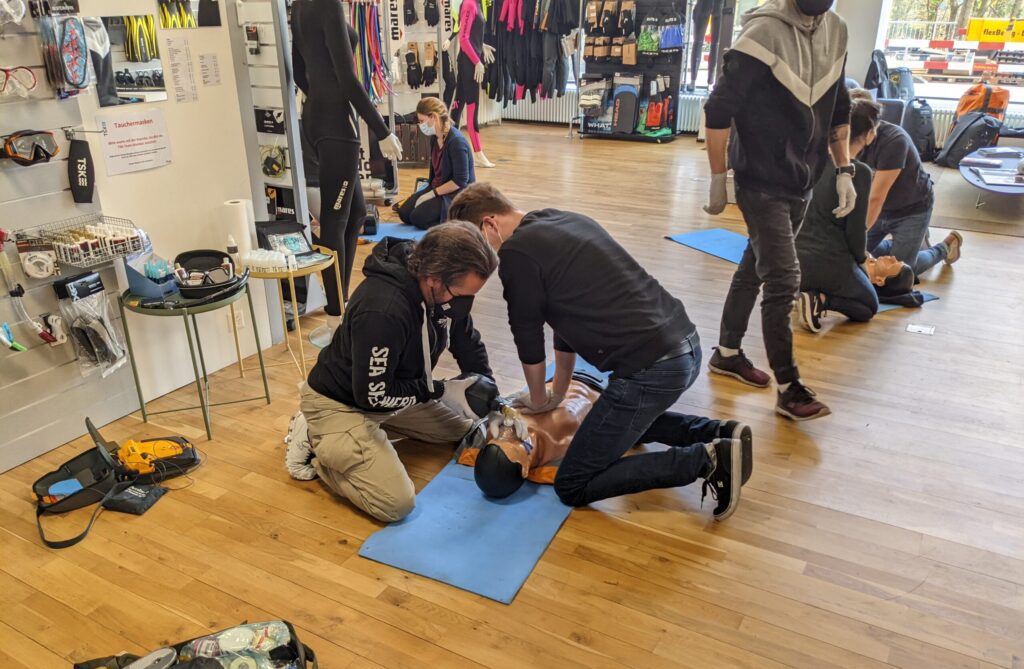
973 131
902 80
919 123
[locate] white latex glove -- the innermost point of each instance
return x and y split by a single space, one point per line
718 196
478 72
847 195
391 147
425 198
488 54
454 396
522 401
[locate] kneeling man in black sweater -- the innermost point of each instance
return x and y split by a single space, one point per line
564 270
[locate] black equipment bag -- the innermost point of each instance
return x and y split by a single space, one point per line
102 477
273 643
919 122
902 83
973 131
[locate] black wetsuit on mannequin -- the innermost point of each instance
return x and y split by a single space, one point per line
704 11
335 99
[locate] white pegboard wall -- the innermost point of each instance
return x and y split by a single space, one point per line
46 399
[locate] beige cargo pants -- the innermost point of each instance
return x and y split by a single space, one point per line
354 454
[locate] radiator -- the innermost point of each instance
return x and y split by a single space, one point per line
553 110
561 110
689 115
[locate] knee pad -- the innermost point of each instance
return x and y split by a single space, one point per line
495 474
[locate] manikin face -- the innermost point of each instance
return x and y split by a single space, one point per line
883 268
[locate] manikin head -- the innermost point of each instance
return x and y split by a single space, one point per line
882 269
865 115
813 8
499 469
433 118
484 206
899 281
451 264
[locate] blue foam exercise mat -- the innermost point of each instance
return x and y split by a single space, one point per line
928 297
399 230
581 366
720 243
457 536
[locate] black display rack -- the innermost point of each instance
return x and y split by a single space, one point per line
670 65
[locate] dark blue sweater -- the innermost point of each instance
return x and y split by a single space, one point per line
456 165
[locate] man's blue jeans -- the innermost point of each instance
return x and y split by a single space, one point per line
908 235
634 410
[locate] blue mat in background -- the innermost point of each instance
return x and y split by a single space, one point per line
928 297
399 230
720 243
459 537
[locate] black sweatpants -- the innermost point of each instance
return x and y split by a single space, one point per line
423 216
342 210
769 260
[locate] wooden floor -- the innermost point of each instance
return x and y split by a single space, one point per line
888 534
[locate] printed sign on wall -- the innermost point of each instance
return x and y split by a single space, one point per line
134 141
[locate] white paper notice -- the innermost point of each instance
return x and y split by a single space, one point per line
183 75
134 141
209 69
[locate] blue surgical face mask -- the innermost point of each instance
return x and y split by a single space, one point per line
426 129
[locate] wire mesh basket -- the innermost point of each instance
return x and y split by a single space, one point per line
91 240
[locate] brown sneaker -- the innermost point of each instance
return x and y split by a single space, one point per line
738 367
954 241
797 402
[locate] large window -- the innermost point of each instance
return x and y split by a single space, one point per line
951 44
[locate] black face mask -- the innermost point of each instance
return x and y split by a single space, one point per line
456 308
814 7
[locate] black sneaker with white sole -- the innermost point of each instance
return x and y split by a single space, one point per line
722 483
733 429
810 309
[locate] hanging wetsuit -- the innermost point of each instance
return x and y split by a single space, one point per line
325 70
703 12
471 47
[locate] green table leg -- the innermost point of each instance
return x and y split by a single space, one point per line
259 349
131 358
195 371
199 347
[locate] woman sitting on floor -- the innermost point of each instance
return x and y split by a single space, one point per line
451 167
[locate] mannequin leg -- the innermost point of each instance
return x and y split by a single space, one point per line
339 186
716 36
356 216
474 136
701 15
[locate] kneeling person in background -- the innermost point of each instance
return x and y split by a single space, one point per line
902 192
451 167
832 253
373 383
565 270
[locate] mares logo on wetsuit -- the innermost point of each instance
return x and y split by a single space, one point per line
341 197
376 390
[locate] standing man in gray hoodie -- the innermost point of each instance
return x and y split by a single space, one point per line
782 96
